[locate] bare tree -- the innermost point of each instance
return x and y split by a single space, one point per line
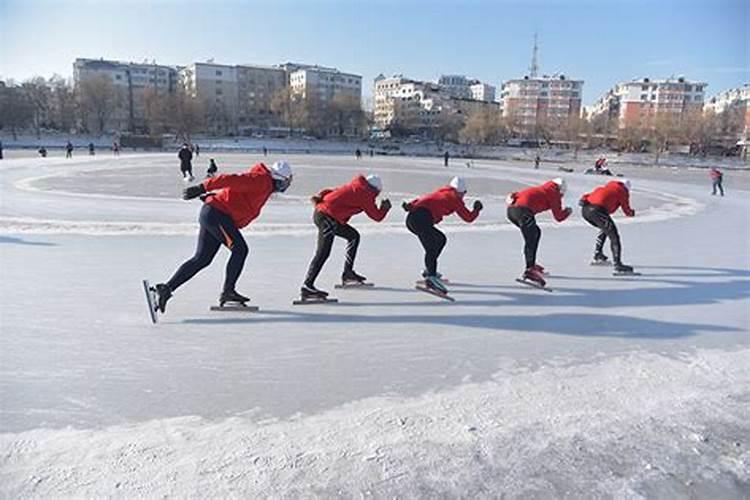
484 126
99 98
187 115
663 131
39 95
346 115
16 110
63 107
157 110
289 107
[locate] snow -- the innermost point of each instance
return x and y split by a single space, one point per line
626 387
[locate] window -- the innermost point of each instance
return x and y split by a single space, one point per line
643 97
219 92
644 88
218 73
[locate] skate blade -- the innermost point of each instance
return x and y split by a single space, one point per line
634 273
235 307
436 293
357 284
302 302
601 264
424 282
533 284
151 301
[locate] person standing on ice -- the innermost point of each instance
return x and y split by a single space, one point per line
69 150
522 209
186 159
333 209
596 208
425 212
716 178
231 202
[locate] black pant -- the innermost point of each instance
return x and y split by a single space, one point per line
717 184
525 220
598 217
216 228
433 240
328 227
186 167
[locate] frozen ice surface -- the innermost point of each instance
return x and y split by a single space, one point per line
615 387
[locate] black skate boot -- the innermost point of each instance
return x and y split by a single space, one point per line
600 260
351 278
233 297
425 274
163 294
621 268
534 276
434 283
309 292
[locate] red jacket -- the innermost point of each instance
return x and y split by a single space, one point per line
715 174
541 198
350 199
611 196
444 202
241 196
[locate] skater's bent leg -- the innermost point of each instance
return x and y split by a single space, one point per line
352 244
326 232
440 241
431 243
610 229
205 251
531 234
601 238
236 262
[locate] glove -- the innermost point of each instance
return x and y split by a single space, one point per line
385 205
568 211
316 199
510 199
632 213
478 206
193 192
406 206
582 202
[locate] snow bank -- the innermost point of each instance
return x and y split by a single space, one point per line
635 425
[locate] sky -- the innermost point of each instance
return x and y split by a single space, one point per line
602 42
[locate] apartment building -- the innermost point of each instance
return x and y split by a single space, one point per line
531 101
637 102
131 80
482 92
323 83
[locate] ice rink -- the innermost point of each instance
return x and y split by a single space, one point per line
610 386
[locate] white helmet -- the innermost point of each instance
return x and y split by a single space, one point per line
281 173
561 184
626 183
459 184
374 181
281 170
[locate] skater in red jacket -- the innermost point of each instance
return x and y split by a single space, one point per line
230 202
333 209
426 212
522 208
596 209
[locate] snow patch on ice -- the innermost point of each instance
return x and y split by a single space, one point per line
640 424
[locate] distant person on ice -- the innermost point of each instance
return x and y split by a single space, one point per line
43 152
716 178
358 154
596 209
1 150
426 212
522 209
212 168
230 202
92 152
116 148
446 157
69 150
333 209
197 151
186 162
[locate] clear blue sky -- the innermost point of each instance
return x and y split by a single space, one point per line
599 41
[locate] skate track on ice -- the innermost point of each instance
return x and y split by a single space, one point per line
608 387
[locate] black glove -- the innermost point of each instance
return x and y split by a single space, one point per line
582 202
193 192
406 206
385 205
478 205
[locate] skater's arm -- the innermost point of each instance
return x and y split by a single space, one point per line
318 198
464 213
375 213
558 212
238 182
625 204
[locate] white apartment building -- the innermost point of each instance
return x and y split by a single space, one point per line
733 99
131 80
635 103
457 85
325 84
531 101
482 92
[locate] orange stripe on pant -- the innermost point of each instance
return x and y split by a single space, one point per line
227 239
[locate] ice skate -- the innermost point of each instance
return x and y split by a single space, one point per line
621 269
600 260
163 294
350 279
232 297
311 295
534 278
434 286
